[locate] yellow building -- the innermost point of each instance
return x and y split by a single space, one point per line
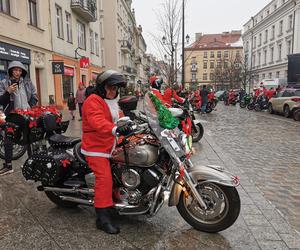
211 58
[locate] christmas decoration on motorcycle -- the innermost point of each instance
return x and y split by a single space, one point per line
46 168
165 117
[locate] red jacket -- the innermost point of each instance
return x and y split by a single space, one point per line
98 129
169 94
158 95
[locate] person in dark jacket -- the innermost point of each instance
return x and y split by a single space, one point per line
72 105
204 97
16 92
90 89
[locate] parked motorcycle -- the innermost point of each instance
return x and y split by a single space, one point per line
150 167
245 101
251 104
262 103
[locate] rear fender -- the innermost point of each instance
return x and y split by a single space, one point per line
210 173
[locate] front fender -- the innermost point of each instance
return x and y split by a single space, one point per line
210 173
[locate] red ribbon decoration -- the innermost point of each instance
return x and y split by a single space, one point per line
10 130
65 163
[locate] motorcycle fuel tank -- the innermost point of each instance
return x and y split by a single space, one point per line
144 155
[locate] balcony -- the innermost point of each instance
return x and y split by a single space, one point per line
129 70
126 46
87 9
194 69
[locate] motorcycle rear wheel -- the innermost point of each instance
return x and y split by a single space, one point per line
197 132
18 150
243 104
296 115
223 208
257 107
54 197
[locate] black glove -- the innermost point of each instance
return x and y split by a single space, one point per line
124 130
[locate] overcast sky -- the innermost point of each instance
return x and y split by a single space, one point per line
206 16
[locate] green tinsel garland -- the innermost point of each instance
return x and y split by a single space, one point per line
165 117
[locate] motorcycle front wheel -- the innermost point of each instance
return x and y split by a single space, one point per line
197 132
223 208
250 106
243 104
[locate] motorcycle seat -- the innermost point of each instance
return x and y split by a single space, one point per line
78 155
59 140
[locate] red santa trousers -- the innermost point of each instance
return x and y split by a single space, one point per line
103 181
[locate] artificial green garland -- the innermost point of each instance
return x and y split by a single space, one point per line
165 117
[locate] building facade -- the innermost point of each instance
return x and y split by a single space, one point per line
124 45
76 32
25 37
210 57
269 36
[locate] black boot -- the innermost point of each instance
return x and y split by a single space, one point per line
6 169
104 222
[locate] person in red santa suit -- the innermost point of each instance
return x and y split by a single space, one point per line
99 130
171 93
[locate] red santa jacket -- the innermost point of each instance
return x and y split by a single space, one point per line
98 129
158 95
169 94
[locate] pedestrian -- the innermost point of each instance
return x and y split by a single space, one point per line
16 92
100 114
80 97
72 105
90 89
204 99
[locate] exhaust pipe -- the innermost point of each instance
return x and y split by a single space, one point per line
77 200
67 190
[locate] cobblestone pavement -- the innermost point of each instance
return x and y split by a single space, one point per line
265 147
28 220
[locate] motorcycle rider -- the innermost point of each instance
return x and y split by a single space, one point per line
155 88
172 93
17 92
204 97
100 114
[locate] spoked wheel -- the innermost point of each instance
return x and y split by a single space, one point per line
223 208
243 104
296 115
18 150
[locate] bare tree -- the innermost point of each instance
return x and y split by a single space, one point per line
167 38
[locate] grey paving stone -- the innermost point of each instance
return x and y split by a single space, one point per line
292 240
256 220
264 233
274 245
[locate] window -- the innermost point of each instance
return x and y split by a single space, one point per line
97 47
219 54
280 28
219 64
266 36
277 74
225 64
259 40
253 60
5 6
237 54
92 42
205 77
268 12
270 75
271 54
259 58
194 66
205 65
32 12
212 54
263 76
211 76
279 51
273 32
265 56
254 43
81 35
288 47
290 22
67 86
212 64
69 27
193 76
205 54
226 54
275 7
247 45
59 22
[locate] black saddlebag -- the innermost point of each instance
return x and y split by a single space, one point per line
47 169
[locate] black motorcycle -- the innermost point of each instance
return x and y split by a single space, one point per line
262 103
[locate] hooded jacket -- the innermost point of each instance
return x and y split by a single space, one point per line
6 99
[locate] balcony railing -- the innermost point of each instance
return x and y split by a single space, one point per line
129 70
87 9
126 46
194 69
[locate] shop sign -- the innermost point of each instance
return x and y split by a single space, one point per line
58 68
68 71
84 62
14 53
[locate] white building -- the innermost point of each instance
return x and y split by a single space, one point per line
271 35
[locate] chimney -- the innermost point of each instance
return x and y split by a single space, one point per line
198 36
